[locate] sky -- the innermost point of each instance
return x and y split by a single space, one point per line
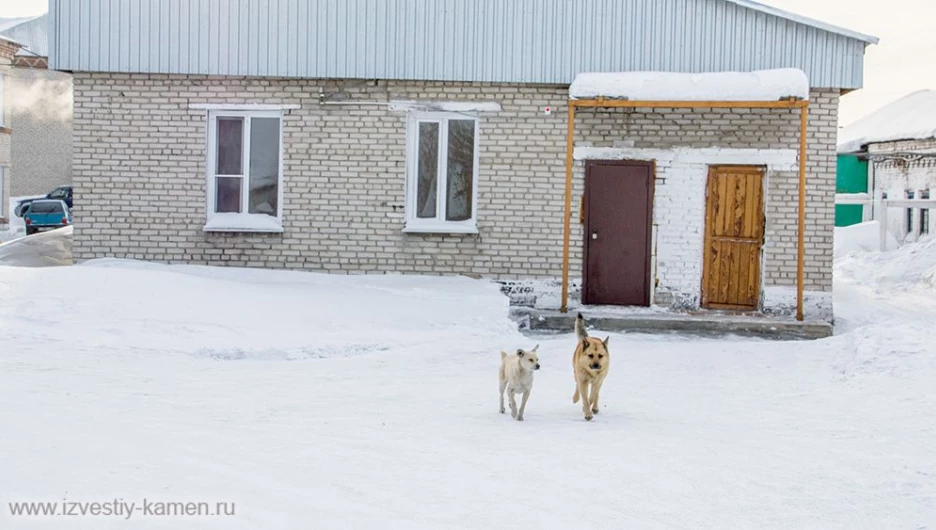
901 63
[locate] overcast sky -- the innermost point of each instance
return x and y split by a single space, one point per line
902 63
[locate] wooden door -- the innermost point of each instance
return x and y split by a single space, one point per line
618 211
734 236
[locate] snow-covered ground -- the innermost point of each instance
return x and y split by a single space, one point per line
314 401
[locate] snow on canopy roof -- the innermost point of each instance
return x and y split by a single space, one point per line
762 85
912 117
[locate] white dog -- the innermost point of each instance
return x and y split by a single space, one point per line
516 377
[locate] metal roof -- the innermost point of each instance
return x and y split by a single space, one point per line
506 41
818 24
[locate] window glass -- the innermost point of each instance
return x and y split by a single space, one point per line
428 170
264 166
40 207
460 170
230 146
228 194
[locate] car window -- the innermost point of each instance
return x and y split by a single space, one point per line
45 207
59 193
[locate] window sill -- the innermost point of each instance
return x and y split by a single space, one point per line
441 228
243 222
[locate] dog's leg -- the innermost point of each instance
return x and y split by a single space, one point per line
575 396
503 386
582 390
513 403
526 396
596 387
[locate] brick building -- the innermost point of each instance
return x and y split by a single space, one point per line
431 140
899 142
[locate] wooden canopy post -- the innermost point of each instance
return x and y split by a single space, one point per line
570 141
801 230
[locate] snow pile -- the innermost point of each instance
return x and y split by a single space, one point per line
912 117
910 267
45 249
230 313
762 85
861 237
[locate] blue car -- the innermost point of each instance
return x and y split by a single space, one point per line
46 214
61 193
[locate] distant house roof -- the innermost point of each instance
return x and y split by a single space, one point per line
31 32
912 117
10 41
515 41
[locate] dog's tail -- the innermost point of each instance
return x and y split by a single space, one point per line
503 355
580 331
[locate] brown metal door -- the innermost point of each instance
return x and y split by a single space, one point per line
618 211
734 235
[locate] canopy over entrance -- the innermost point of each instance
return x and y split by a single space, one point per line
786 88
764 85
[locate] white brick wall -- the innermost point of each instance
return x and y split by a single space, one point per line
895 177
679 207
139 153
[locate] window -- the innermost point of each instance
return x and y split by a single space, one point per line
909 214
924 214
39 207
245 171
59 193
442 173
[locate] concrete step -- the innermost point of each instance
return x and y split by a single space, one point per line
707 323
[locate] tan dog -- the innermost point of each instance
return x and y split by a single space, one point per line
590 365
516 377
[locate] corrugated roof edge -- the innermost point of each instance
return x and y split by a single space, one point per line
770 10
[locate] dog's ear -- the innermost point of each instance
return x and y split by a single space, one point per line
605 342
584 343
519 353
535 347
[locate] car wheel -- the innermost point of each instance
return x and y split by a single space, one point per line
30 231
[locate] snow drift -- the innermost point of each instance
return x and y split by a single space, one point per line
46 249
232 313
861 237
910 267
762 85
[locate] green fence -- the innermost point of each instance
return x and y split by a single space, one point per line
851 176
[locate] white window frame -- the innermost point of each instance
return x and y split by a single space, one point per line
211 169
438 225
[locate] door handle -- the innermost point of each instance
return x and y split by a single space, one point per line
594 235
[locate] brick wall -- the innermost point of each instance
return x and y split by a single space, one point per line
139 157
